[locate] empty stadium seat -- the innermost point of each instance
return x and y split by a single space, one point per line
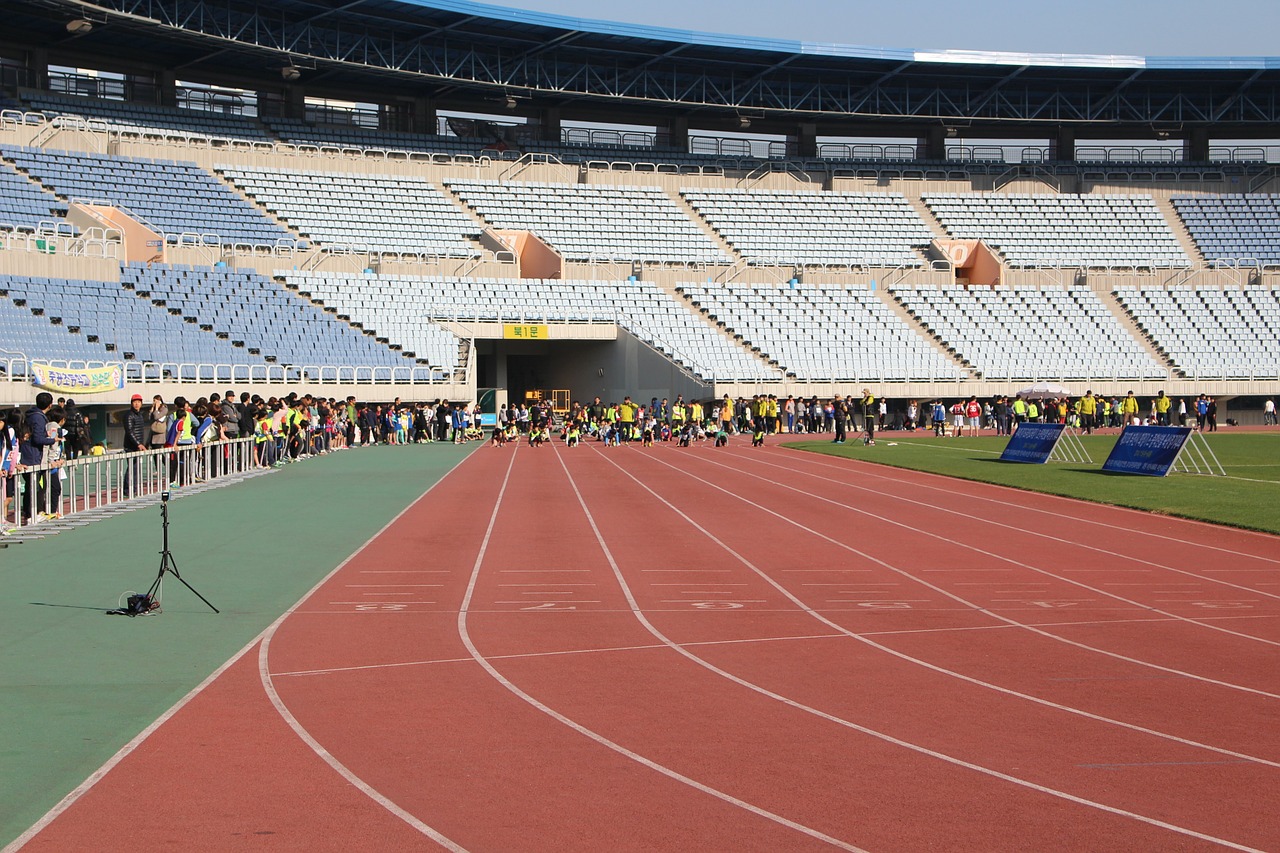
174 198
590 222
398 306
1063 230
1211 333
811 228
1031 333
375 212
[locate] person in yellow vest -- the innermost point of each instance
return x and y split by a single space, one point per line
771 414
1163 404
695 413
726 415
1129 409
182 438
759 405
627 418
263 439
1019 413
679 414
869 416
1033 411
1088 409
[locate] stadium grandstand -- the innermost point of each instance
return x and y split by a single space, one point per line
402 222
853 216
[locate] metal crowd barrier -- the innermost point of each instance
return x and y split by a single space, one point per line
46 494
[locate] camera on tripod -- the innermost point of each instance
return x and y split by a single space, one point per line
164 496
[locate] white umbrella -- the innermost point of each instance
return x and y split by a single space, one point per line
1043 390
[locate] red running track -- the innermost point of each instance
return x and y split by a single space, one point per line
737 649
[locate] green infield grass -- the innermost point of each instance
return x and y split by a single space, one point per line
1249 496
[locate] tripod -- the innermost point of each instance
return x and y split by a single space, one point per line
167 563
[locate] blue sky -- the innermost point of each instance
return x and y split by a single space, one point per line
1135 27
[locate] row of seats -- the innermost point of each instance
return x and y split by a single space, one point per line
25 205
394 305
186 317
300 132
1028 333
139 117
254 312
585 221
173 197
1063 230
118 323
858 229
1230 333
384 212
1233 226
823 333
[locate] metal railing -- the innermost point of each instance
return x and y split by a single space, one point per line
50 493
17 368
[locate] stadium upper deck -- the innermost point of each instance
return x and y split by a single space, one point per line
424 55
546 69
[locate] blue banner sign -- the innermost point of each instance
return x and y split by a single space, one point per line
1032 443
1149 450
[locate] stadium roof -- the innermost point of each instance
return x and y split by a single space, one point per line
461 54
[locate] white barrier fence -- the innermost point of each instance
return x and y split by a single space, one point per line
51 494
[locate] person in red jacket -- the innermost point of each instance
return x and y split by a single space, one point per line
973 411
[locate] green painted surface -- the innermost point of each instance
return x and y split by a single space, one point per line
1246 497
77 685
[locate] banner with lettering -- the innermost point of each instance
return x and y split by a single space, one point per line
71 380
1149 450
1033 443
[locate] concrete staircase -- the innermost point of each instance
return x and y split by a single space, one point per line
292 229
702 223
719 325
1180 231
1131 327
899 309
926 214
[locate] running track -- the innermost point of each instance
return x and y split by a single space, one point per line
665 649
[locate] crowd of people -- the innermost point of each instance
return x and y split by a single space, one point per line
197 438
292 427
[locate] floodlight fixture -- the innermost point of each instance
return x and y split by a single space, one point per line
80 27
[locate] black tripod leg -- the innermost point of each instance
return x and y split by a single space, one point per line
172 568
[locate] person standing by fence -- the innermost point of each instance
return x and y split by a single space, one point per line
136 431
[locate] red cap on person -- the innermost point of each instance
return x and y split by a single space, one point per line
135 397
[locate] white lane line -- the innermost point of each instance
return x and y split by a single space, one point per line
640 617
1003 558
392 585
264 675
1081 542
1054 513
970 608
497 676
124 751
642 647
